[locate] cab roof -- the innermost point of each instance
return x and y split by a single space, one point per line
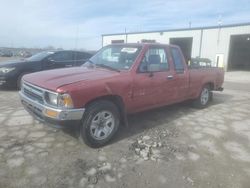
142 44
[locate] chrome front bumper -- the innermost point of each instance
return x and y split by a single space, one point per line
39 110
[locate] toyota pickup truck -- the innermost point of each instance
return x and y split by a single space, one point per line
120 79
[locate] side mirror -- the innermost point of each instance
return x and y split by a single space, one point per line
50 62
50 59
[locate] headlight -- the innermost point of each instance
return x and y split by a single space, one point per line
60 100
51 98
6 69
64 100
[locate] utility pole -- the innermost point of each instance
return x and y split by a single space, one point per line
190 24
219 30
77 36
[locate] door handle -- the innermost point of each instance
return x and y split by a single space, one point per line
68 65
170 77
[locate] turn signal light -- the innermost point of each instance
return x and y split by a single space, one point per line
51 113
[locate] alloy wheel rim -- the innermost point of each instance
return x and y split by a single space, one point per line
102 125
204 96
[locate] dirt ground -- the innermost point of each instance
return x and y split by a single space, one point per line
175 146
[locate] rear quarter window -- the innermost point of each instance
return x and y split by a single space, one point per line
177 58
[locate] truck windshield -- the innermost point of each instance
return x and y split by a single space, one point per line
39 56
117 57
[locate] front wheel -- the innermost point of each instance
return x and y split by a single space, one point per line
100 123
204 97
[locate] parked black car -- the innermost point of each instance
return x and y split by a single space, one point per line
11 72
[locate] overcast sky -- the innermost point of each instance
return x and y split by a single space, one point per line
40 23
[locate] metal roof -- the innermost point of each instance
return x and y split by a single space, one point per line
183 29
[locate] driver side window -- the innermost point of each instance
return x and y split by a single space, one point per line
155 60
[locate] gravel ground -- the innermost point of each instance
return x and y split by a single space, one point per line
175 146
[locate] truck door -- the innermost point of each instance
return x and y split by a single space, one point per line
181 75
153 81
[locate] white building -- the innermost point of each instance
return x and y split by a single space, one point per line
228 45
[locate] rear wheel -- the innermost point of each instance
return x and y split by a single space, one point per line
204 97
100 123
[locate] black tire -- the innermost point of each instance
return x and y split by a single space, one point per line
19 80
200 102
92 112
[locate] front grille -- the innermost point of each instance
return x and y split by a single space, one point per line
36 112
33 93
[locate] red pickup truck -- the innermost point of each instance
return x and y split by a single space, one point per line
120 79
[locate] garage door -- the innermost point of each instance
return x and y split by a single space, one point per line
239 54
185 44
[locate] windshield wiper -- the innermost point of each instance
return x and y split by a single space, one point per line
91 63
107 67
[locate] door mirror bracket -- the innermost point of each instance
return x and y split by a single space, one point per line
50 59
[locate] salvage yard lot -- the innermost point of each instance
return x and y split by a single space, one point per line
176 146
2 59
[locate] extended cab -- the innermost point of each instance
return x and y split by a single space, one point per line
120 79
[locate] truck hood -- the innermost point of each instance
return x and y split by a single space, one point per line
53 79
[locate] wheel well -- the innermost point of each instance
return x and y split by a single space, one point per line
211 85
118 101
20 75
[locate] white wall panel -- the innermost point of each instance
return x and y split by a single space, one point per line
214 41
108 39
217 41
